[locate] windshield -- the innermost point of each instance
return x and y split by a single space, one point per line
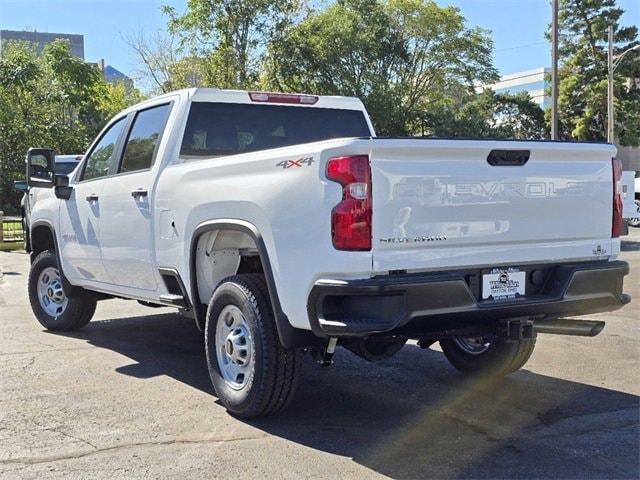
217 129
65 168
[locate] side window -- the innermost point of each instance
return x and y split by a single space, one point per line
103 155
144 137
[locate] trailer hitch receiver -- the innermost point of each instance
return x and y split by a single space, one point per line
517 329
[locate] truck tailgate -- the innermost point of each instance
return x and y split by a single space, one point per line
441 204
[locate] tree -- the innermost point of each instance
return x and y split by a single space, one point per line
398 56
485 115
163 67
516 116
50 100
230 35
582 99
155 56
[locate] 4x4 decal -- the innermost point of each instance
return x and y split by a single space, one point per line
308 161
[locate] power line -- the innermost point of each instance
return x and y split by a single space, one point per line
521 46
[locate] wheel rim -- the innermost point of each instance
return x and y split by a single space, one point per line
234 347
50 292
473 345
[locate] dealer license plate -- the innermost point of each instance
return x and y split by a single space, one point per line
503 283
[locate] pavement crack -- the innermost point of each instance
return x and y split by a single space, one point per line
68 435
473 427
115 448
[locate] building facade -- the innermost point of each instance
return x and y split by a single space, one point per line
537 84
534 82
40 39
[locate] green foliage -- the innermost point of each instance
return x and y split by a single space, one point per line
230 36
398 56
582 99
52 100
486 115
413 63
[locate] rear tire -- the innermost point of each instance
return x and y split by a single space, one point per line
501 357
50 304
252 373
635 221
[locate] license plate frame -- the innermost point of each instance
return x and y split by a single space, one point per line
503 284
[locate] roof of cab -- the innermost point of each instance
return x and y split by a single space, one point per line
242 96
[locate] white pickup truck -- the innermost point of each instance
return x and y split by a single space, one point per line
282 225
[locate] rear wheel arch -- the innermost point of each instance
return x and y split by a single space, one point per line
289 336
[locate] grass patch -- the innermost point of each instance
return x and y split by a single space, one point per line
10 246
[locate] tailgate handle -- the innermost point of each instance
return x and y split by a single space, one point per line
511 158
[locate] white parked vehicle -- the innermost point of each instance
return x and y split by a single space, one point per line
63 165
283 225
630 202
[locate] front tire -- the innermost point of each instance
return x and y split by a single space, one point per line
52 307
252 373
25 234
493 356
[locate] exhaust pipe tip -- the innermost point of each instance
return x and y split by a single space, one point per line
579 328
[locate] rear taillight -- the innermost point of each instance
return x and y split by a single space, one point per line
351 218
616 222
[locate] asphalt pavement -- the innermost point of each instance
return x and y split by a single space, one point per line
129 397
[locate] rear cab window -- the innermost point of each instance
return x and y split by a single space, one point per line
221 129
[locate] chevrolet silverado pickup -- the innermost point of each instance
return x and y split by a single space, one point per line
283 226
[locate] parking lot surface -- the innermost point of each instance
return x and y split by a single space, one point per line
129 397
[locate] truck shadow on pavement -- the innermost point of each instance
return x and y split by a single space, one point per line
413 416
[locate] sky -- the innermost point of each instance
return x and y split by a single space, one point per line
517 26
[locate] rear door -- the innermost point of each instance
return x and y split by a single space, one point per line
125 228
443 204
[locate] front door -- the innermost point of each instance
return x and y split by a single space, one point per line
80 216
125 225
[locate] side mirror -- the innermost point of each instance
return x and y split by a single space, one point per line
21 186
40 163
62 189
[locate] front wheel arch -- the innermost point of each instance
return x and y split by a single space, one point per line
42 237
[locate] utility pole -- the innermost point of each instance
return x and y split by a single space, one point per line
554 71
610 112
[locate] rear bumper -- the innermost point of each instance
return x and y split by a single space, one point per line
427 301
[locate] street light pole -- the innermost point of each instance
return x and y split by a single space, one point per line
554 71
610 112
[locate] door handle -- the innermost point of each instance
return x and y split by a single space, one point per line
92 198
139 193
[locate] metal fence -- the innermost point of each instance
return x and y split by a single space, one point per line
12 231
